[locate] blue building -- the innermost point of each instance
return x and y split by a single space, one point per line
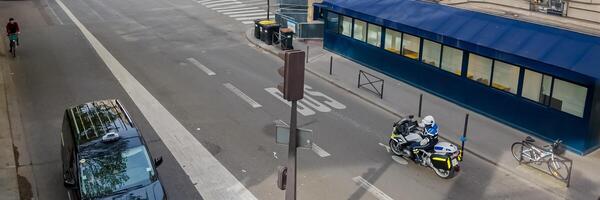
539 79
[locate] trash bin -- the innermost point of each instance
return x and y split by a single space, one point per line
257 27
287 36
262 24
270 30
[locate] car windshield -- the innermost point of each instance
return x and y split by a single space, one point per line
114 171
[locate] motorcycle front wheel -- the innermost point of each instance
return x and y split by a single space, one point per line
445 174
394 149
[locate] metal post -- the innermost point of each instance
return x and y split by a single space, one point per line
464 136
290 191
307 53
330 64
420 103
268 8
381 94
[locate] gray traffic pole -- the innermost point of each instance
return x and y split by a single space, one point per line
330 65
420 103
464 137
268 7
290 191
307 53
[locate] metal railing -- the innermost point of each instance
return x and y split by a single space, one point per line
542 155
368 77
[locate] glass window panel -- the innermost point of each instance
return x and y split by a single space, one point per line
393 39
452 60
374 35
410 46
506 77
346 28
536 87
431 53
568 97
479 69
332 22
360 30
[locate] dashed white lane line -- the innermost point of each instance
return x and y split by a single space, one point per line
241 94
371 188
319 151
201 66
211 179
252 18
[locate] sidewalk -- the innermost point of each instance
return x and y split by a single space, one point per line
487 139
9 188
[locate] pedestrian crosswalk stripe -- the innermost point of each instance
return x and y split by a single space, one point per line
259 3
247 22
236 9
217 1
244 11
204 1
223 4
250 14
252 18
228 7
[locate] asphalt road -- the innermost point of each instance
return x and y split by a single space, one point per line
161 42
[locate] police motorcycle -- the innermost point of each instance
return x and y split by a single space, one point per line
443 158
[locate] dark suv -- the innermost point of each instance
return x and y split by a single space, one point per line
104 155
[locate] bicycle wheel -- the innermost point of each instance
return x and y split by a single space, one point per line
516 151
558 169
13 46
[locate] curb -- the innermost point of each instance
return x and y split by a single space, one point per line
400 115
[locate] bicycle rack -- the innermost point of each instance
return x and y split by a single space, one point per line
567 181
366 75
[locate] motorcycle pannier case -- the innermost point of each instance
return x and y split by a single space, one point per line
441 161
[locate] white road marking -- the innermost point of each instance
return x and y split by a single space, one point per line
330 101
251 14
399 160
387 148
252 18
371 188
201 66
247 22
302 109
236 9
244 11
313 103
223 4
213 180
218 1
319 151
228 7
241 94
203 1
275 155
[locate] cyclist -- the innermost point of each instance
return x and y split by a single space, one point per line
12 28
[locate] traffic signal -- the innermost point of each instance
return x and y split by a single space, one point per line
293 75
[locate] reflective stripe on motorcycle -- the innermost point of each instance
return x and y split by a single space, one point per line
448 161
438 159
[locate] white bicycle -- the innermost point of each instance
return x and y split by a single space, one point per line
525 152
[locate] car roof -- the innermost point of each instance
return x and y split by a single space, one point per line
93 120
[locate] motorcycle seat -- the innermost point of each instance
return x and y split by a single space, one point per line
529 139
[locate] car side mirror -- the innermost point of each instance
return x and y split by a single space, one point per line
158 161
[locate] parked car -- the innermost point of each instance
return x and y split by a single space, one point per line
104 155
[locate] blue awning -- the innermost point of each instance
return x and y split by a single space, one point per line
558 47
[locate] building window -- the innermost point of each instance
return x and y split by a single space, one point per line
333 22
479 69
360 30
374 35
431 53
506 77
346 28
410 46
452 60
568 97
536 87
393 40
